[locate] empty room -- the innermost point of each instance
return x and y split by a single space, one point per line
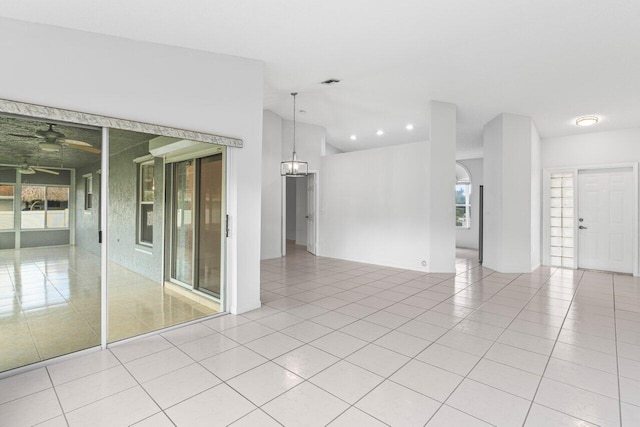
319 214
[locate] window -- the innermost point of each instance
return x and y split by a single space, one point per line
6 207
44 207
88 192
463 197
146 188
463 205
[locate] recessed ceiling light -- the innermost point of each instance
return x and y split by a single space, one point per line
409 126
587 121
380 132
353 137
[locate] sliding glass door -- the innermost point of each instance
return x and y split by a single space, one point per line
210 223
95 224
198 218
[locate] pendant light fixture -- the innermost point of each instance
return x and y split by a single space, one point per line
294 167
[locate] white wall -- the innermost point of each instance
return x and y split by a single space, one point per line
310 142
492 181
373 206
330 150
536 198
441 188
595 148
468 237
271 245
301 210
512 197
157 84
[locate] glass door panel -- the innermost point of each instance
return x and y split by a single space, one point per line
209 224
183 228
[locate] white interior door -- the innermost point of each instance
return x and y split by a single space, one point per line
605 219
311 213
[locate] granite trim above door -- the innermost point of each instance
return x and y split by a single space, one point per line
42 112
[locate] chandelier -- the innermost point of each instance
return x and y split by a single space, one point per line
294 167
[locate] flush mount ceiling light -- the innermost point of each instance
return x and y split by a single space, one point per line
380 132
294 168
587 121
353 137
409 126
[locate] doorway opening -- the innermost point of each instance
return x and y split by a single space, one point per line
299 214
467 215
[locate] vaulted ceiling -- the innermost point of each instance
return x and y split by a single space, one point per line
548 59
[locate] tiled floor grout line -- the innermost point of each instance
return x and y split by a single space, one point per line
151 416
343 359
388 378
466 376
258 408
353 405
533 398
139 384
64 414
279 329
615 329
226 382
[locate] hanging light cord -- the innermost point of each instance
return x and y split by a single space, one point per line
294 124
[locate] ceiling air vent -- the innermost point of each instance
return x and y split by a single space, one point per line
330 82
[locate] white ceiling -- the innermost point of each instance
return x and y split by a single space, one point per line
552 60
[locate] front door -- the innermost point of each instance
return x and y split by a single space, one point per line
605 219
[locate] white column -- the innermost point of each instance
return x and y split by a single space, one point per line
442 172
512 194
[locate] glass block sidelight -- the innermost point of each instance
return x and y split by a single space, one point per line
562 220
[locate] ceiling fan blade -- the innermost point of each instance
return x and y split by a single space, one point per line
83 148
23 136
74 142
45 170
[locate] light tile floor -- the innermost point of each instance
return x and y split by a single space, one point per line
346 344
50 304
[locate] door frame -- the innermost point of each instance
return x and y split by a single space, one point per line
546 196
169 162
283 212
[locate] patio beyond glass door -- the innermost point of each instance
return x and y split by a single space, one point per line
183 227
198 218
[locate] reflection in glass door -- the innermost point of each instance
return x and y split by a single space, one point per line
183 231
209 224
198 214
